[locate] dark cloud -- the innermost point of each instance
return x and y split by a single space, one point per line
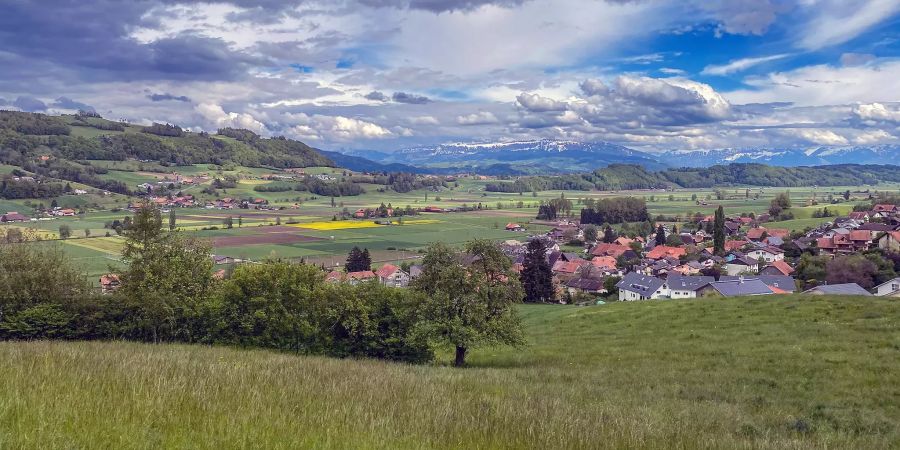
168 97
68 103
377 96
411 99
439 6
29 104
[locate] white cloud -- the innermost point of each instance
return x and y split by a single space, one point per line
740 65
842 20
537 103
424 120
873 137
478 118
876 112
219 118
819 136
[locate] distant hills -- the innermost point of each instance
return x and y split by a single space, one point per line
812 156
562 157
516 158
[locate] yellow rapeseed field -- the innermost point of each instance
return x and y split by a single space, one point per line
335 225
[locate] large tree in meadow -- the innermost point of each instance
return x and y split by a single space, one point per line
166 280
468 306
537 276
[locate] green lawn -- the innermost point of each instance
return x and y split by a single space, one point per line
773 372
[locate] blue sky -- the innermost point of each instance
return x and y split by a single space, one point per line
387 74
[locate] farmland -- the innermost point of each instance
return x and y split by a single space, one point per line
777 372
304 225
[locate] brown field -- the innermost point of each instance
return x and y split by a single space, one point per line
263 238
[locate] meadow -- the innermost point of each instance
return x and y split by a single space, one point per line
776 372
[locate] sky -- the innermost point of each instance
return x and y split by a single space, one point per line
382 75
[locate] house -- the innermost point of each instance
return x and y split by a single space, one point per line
735 245
756 234
780 284
778 267
585 285
567 269
742 265
889 288
360 213
514 227
432 209
890 209
838 289
875 229
604 262
634 286
219 259
732 227
621 240
768 254
109 283
415 270
13 216
393 276
679 286
737 288
860 216
613 250
355 278
664 251
890 241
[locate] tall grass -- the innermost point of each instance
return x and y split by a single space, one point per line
798 372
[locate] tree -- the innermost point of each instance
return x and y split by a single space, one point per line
609 236
590 233
660 235
240 221
228 222
468 307
87 232
781 202
537 276
172 220
166 280
851 269
65 231
719 231
358 260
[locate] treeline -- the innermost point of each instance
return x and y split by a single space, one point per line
23 135
167 293
18 189
615 210
406 182
626 176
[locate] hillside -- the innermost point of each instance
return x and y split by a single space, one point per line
625 176
803 372
790 157
24 136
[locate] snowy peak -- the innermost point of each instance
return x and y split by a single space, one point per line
790 157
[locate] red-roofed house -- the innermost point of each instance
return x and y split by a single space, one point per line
604 249
664 251
13 217
890 241
885 208
777 268
735 245
756 234
514 227
109 283
862 216
604 262
393 276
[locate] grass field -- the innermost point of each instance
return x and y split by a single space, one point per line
798 372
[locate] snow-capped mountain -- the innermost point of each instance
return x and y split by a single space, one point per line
537 156
810 156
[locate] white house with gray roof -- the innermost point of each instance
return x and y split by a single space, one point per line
635 286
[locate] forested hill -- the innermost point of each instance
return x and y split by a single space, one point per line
87 136
625 176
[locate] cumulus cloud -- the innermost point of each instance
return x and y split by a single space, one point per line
536 103
819 136
424 120
215 115
877 112
478 118
334 128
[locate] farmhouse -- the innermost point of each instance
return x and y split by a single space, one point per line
13 217
393 276
778 267
109 283
613 250
585 285
664 251
768 254
890 241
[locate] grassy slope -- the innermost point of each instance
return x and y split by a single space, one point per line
740 373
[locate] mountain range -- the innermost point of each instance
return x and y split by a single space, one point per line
556 156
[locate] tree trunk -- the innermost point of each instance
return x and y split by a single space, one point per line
460 356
